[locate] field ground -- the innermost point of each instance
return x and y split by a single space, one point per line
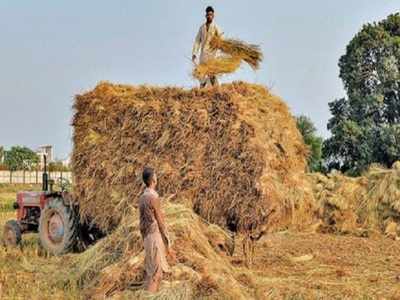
294 266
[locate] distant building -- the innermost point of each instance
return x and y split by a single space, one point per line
66 162
45 150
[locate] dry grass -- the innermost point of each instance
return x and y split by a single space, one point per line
232 156
287 265
217 66
370 202
249 53
341 267
234 153
234 52
116 263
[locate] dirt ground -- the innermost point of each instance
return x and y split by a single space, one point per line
287 266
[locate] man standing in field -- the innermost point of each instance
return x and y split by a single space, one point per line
202 44
154 233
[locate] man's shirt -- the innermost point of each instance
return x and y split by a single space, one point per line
203 39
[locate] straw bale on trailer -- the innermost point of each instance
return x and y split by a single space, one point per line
233 152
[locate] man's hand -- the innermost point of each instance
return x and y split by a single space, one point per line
194 58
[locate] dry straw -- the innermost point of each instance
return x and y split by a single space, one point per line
234 51
231 156
216 67
250 53
234 153
367 202
287 265
116 263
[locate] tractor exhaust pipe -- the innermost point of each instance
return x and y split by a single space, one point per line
45 178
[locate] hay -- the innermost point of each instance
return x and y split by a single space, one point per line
234 51
368 202
234 153
115 264
249 53
287 265
216 67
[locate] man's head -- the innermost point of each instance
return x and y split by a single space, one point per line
209 14
149 177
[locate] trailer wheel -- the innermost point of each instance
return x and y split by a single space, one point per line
58 227
12 234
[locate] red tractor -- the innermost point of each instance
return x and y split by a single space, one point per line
53 215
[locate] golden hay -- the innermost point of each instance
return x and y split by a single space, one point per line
234 153
371 201
249 53
116 262
287 265
216 66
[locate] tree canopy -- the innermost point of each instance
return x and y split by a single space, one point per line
312 140
20 158
365 125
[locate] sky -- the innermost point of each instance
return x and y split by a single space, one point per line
52 50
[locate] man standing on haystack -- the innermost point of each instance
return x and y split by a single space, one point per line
202 43
154 233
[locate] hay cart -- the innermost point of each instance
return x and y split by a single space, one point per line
53 215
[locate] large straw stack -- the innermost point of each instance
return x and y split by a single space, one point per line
234 153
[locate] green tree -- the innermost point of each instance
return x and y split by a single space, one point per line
58 166
20 158
1 154
2 165
365 125
313 141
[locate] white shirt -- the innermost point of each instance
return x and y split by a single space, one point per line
202 41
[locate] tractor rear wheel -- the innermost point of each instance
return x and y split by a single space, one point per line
12 234
58 227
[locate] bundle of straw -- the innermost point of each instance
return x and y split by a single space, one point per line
248 52
216 66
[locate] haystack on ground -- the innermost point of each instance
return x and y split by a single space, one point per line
233 152
338 199
287 265
116 262
367 202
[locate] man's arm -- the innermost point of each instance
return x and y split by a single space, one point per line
196 45
155 201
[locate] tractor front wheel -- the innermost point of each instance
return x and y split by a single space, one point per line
12 234
58 227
